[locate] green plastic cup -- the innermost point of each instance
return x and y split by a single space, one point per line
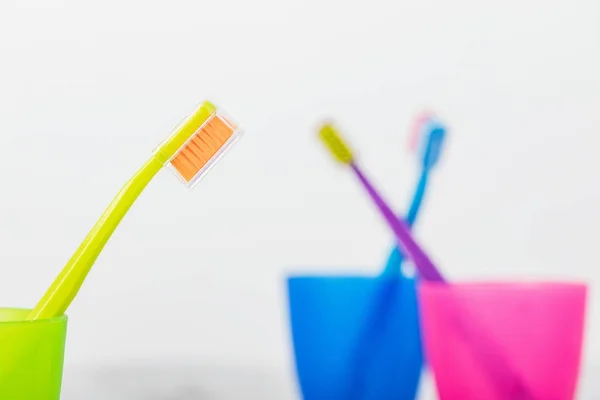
32 355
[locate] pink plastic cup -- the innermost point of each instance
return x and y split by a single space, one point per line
531 332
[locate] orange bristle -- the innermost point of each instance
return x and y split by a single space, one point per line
202 147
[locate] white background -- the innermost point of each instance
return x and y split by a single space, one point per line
196 280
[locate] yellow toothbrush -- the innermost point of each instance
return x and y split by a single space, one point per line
191 150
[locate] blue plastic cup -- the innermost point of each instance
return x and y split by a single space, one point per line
355 337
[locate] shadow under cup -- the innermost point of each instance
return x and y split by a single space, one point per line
355 337
31 356
535 329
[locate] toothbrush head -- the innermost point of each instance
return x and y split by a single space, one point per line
199 142
428 137
433 143
416 131
335 144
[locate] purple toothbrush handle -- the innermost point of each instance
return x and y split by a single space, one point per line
424 265
503 374
500 371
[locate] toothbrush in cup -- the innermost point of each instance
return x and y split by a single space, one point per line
194 146
501 370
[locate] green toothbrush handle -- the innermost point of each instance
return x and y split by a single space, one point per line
63 290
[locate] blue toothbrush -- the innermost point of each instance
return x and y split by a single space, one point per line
429 135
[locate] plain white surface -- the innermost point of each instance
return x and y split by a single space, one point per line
187 381
87 89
